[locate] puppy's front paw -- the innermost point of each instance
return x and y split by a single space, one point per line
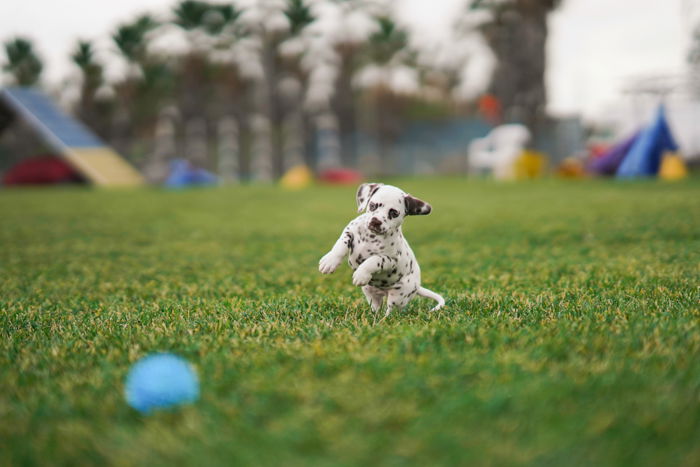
329 263
361 278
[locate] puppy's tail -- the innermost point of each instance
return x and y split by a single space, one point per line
423 292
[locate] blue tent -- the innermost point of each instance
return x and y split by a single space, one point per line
182 174
644 157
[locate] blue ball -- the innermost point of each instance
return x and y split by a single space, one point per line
161 381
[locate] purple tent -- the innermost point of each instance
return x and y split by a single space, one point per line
608 162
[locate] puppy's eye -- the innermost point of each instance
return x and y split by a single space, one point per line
372 206
393 213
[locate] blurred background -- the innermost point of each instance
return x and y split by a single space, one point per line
195 92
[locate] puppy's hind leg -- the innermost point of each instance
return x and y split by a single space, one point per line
397 299
375 297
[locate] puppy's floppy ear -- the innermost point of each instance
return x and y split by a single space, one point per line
415 206
364 193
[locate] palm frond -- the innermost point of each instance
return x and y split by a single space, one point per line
299 15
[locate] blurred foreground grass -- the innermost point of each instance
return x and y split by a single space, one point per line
571 335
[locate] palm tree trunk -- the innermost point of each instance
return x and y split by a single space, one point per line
275 111
343 104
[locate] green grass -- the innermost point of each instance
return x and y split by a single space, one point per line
571 334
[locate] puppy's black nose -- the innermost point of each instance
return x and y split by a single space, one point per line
375 222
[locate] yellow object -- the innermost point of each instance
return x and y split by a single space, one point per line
672 167
103 167
297 178
571 168
530 164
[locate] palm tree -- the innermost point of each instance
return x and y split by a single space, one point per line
271 34
270 24
517 35
23 64
208 90
300 16
348 43
387 41
232 99
196 17
344 102
219 18
92 78
189 16
132 39
207 27
141 93
387 52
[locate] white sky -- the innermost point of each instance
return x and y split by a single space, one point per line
594 45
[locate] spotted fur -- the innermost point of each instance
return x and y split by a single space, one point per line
383 263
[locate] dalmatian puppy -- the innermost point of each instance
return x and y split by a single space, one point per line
378 253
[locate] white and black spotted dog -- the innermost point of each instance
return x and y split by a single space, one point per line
384 264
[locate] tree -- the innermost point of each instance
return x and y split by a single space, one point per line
273 22
517 35
354 24
23 64
132 39
388 60
271 28
189 16
208 27
208 89
387 41
300 16
92 78
140 95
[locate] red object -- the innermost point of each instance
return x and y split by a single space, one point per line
597 149
41 170
490 108
340 176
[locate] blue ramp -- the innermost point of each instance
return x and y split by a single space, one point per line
70 138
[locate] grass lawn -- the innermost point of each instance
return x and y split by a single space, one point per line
571 334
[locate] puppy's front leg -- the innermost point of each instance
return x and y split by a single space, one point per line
372 265
332 259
